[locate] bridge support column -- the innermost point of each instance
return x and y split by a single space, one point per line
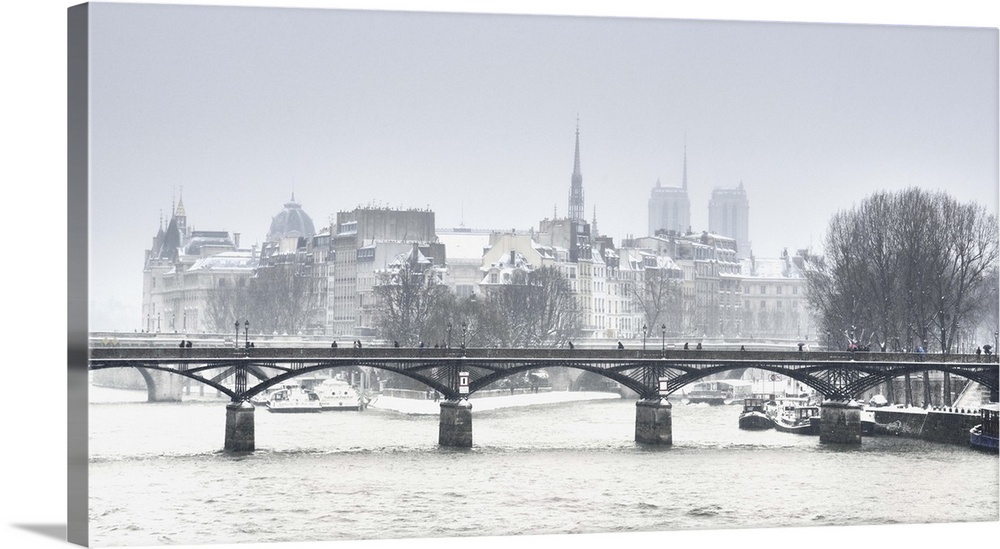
840 422
239 427
653 423
456 424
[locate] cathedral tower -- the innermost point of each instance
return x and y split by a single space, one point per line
576 184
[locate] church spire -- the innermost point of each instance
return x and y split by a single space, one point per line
685 179
576 182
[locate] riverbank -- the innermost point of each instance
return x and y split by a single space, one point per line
429 407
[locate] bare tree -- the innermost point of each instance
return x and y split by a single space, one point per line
658 296
279 300
410 295
902 269
225 305
534 309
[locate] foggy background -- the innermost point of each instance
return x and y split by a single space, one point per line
474 117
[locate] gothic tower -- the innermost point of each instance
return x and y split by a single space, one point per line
670 207
576 184
729 215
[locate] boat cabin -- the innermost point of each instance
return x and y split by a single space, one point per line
720 391
989 414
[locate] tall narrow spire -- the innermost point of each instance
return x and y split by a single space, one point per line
576 156
593 224
684 182
576 182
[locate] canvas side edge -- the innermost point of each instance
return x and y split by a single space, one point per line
77 146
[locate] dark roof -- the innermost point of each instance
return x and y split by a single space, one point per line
291 221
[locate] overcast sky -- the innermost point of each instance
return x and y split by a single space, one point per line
474 116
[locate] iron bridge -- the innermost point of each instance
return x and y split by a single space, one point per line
651 374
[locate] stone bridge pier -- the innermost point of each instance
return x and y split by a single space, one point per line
840 422
653 422
239 427
455 428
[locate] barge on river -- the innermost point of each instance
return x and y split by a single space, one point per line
754 417
984 435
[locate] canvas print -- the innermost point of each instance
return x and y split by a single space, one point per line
388 275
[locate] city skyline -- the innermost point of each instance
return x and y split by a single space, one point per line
473 117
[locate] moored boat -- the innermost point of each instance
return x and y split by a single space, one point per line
803 420
337 394
293 400
984 435
718 392
753 417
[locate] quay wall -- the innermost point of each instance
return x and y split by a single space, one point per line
946 425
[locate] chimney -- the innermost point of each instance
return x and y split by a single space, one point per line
512 258
236 239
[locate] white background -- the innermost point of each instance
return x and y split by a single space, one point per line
33 191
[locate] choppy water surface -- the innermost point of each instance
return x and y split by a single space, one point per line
157 476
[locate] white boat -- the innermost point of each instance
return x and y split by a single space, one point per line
803 420
293 399
719 392
337 394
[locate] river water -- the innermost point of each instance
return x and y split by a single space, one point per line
157 475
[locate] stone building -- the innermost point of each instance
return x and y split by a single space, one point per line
774 298
183 269
465 248
729 215
364 241
294 262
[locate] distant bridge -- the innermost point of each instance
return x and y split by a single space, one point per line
457 373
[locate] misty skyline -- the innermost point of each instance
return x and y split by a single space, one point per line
474 117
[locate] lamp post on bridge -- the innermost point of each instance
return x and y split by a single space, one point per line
465 328
644 332
157 322
236 343
449 336
246 333
663 341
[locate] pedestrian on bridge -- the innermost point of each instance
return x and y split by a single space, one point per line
188 344
570 343
620 346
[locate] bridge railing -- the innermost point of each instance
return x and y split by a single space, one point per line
194 354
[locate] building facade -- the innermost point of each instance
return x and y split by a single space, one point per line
365 241
185 270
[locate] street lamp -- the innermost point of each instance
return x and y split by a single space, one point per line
236 344
246 333
465 327
644 332
157 322
663 342
449 336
